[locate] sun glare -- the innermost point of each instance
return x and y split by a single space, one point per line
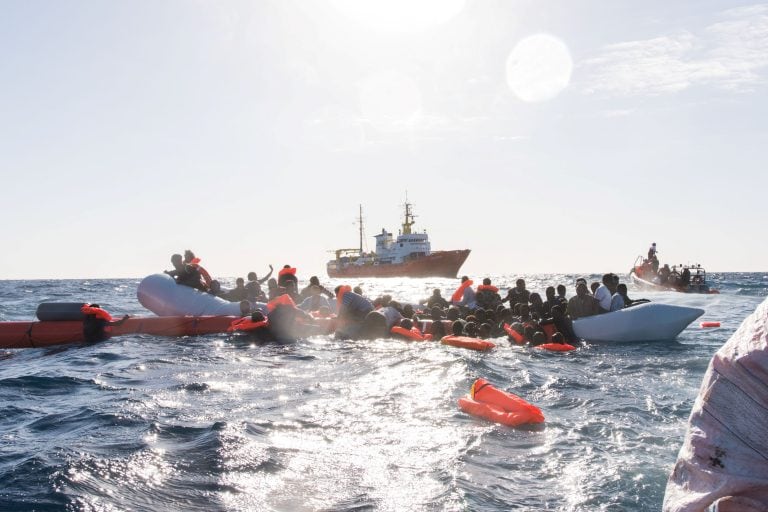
399 15
539 68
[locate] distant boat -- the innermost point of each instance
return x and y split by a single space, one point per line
684 279
409 255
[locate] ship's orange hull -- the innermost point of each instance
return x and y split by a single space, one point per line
437 264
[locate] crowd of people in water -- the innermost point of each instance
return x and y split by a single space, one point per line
472 311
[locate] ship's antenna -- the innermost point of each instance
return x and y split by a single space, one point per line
409 216
360 225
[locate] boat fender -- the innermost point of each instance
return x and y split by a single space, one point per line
60 311
459 293
516 336
467 342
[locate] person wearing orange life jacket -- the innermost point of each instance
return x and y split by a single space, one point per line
287 274
194 262
185 275
487 296
351 306
464 296
96 323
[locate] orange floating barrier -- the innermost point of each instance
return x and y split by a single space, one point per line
710 324
492 404
467 342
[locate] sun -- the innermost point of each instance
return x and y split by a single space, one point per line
399 15
539 68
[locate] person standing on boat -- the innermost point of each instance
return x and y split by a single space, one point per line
652 251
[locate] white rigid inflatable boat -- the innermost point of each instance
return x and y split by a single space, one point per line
160 294
643 322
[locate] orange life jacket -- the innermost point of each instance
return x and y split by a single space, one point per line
204 273
516 336
467 342
284 299
284 271
246 324
549 330
488 287
97 312
498 406
413 333
342 290
459 293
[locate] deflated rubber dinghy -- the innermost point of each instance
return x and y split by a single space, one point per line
160 294
723 463
644 322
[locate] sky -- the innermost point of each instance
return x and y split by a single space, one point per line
546 136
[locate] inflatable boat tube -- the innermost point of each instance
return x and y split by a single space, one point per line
44 334
467 342
644 322
160 294
492 404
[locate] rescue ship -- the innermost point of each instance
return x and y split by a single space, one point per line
408 255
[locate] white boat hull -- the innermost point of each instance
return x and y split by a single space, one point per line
160 294
644 322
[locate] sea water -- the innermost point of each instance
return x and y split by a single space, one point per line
217 422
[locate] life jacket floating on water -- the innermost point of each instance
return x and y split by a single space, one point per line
87 309
467 342
492 404
412 334
557 347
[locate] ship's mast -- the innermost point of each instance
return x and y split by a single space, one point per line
408 217
360 223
